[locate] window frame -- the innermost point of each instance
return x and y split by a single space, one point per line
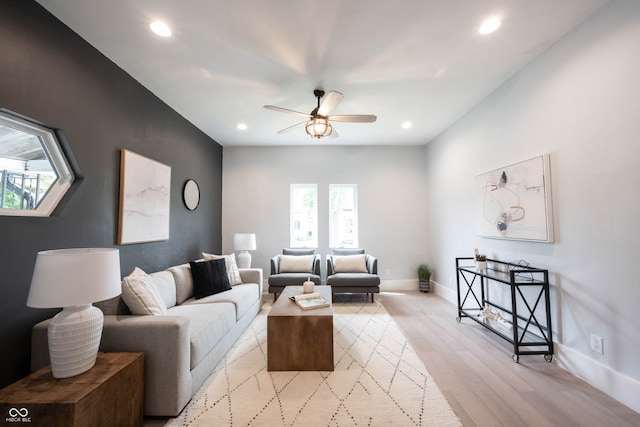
333 234
294 217
55 157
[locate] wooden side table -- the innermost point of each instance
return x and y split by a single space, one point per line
109 394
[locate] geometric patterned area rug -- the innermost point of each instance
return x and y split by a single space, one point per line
378 381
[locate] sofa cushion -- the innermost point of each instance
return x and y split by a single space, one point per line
184 282
296 264
230 264
241 296
166 286
350 264
353 279
289 279
141 295
208 324
209 277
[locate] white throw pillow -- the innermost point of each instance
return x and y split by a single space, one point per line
140 295
296 263
183 280
350 263
230 264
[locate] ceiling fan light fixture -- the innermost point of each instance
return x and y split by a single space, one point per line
318 127
318 121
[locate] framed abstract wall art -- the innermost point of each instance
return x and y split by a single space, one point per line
514 202
145 189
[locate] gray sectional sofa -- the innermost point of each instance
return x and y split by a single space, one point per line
181 348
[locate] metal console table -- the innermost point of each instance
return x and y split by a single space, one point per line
526 323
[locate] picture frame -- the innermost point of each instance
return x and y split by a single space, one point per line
514 201
145 199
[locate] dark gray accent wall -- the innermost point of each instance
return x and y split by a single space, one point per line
50 74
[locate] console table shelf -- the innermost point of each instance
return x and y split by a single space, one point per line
522 317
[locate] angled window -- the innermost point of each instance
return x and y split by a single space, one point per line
343 216
303 216
34 172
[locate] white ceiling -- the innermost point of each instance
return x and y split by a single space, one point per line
416 60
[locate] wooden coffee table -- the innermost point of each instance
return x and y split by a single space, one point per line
297 339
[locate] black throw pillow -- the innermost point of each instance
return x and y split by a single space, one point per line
209 277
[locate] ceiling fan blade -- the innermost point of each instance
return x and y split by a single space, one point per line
334 133
286 110
329 102
356 118
292 127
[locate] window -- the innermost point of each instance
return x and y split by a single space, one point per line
343 216
34 172
304 216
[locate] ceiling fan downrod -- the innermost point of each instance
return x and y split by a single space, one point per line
318 126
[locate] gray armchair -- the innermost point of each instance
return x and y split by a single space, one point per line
349 274
288 270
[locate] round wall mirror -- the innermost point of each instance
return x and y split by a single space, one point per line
191 194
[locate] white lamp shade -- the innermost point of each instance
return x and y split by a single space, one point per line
72 277
244 242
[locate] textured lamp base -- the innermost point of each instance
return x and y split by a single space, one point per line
74 338
244 259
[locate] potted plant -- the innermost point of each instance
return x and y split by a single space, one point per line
481 262
424 275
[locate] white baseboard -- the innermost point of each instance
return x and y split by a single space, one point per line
620 387
445 292
399 285
385 285
412 285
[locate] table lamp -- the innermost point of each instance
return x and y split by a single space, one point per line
74 279
244 242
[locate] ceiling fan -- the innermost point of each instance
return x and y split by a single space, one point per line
318 121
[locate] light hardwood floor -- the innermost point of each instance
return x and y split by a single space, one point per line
474 370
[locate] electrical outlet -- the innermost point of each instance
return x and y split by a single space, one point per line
596 344
388 272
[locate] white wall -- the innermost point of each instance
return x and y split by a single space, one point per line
579 102
391 202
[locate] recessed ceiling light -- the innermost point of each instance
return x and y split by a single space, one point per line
160 28
406 125
241 126
489 26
